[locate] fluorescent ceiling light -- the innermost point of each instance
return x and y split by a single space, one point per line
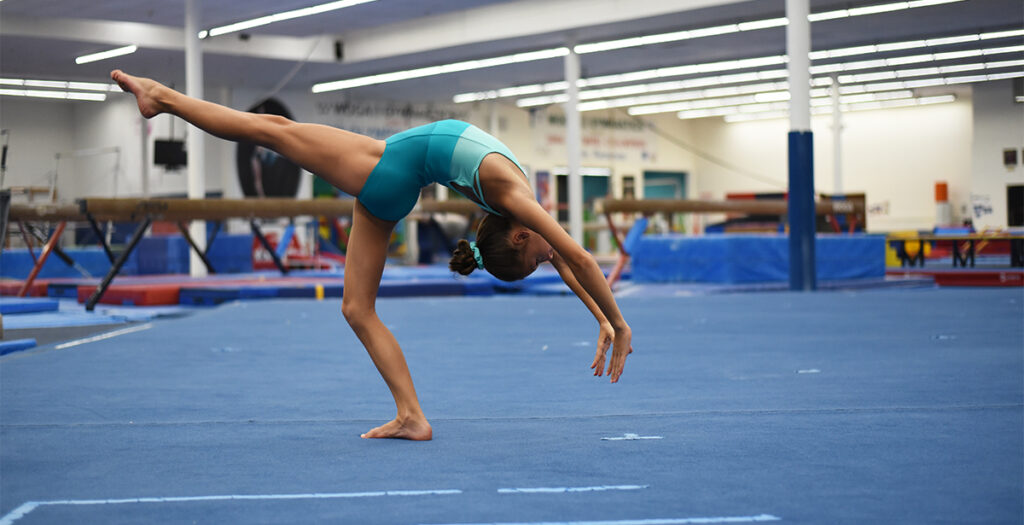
126 50
60 84
746 114
748 26
880 8
278 17
758 62
659 103
63 95
873 90
438 70
582 48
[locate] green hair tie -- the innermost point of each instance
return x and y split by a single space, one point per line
476 255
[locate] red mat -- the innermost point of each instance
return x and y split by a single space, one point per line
966 277
167 293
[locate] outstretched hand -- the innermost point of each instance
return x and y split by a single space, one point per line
622 342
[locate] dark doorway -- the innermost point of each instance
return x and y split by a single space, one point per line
1015 205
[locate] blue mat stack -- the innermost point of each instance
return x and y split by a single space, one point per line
752 258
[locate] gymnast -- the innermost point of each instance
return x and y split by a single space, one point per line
515 236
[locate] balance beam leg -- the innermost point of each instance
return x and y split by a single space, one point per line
42 259
90 304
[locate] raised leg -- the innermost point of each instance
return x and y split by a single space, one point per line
364 264
340 157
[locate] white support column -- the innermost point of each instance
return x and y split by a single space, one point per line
837 142
493 120
802 271
798 46
196 151
574 145
144 165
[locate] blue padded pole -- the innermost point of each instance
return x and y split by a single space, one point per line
802 273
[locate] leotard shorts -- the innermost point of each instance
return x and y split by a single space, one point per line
448 152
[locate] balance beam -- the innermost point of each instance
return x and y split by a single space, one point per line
222 209
750 207
179 211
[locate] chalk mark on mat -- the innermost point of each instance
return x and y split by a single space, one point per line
29 506
654 521
629 437
107 335
559 490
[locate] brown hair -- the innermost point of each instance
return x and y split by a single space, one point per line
501 258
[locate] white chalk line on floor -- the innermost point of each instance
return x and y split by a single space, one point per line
29 506
652 521
560 490
108 335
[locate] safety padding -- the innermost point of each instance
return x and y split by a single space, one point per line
752 258
635 234
19 305
16 345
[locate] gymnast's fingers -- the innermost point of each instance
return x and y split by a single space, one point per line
598 364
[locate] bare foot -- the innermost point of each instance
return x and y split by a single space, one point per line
414 429
144 89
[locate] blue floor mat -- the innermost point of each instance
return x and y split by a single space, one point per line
881 406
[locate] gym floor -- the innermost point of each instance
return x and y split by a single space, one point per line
874 406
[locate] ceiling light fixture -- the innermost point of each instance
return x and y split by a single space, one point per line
676 36
438 70
64 95
677 90
611 44
819 96
749 114
60 84
817 55
279 17
121 51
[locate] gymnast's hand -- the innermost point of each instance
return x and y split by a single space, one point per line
622 340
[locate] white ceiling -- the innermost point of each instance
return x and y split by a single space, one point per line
25 55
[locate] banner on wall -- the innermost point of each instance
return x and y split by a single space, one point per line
981 205
380 120
605 139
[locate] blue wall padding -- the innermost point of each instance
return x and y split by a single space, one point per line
17 263
160 254
15 345
635 234
231 253
752 258
25 305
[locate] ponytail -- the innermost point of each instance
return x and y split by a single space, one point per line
462 260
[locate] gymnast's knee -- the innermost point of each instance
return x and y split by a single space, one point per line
358 314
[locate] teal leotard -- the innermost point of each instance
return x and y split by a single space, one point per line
448 152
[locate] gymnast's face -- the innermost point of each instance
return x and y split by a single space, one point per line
534 250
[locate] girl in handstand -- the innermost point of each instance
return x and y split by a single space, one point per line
386 176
